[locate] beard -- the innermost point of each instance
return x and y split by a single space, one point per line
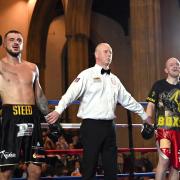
13 54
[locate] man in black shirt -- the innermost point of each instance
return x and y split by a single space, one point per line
164 99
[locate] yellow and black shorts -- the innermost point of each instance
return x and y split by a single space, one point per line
21 138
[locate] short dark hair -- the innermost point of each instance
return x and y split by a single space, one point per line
12 31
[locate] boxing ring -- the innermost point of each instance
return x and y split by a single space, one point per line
131 149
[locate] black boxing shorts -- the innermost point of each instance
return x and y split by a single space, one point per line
21 138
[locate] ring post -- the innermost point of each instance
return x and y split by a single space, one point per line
131 145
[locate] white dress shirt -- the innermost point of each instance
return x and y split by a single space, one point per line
98 95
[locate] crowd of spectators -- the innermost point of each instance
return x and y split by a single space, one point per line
70 164
57 164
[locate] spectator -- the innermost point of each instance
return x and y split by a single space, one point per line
77 167
48 143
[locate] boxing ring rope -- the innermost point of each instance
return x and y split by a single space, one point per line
131 149
130 127
55 102
147 174
80 151
77 125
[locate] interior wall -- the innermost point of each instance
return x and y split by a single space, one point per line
55 43
99 33
170 15
15 14
115 36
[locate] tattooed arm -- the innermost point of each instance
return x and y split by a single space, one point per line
41 99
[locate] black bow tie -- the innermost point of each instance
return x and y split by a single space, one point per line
105 71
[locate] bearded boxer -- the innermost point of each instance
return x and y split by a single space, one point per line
20 90
164 99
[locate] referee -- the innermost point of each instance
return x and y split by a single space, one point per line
99 91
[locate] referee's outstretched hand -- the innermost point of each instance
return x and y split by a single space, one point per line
52 117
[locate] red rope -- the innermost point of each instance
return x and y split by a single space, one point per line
79 151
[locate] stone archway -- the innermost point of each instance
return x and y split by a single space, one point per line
44 12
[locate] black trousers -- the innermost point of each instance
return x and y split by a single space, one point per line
98 138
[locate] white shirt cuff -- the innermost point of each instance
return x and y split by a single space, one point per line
144 116
58 109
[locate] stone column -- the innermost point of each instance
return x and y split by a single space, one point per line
146 55
146 40
77 19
